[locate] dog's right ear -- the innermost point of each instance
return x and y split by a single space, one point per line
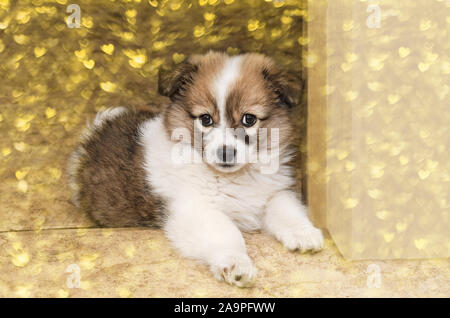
173 83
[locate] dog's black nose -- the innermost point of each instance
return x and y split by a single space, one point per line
226 154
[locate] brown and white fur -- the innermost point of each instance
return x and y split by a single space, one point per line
123 173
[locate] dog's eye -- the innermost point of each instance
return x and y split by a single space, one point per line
248 120
206 120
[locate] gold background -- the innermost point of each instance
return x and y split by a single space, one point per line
379 126
54 79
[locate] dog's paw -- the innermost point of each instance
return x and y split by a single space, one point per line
304 240
236 270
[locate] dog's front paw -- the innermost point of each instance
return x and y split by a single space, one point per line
304 239
236 270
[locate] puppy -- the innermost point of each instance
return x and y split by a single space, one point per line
214 163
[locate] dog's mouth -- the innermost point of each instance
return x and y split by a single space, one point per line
226 165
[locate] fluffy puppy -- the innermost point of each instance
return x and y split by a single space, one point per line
214 163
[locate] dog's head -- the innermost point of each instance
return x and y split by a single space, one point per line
232 106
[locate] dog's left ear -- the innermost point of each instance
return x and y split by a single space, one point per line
173 83
287 86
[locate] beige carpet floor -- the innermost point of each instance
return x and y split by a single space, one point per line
141 263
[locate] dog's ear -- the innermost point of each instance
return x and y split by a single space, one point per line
173 83
287 86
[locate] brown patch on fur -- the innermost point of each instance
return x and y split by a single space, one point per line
262 90
192 97
111 178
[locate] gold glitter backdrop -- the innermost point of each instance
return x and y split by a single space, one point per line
54 78
379 119
378 111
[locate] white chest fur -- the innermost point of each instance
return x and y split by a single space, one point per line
241 196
